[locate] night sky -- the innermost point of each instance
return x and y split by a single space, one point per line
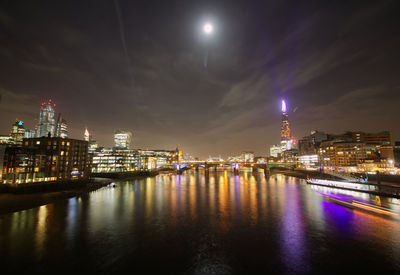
139 66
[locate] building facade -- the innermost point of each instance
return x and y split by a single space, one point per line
122 139
62 127
29 133
6 140
18 133
47 121
285 128
341 154
46 159
114 160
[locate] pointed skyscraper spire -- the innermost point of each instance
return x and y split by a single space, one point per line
285 129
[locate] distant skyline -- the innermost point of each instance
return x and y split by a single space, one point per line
138 66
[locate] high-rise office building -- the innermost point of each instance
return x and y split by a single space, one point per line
122 139
6 140
275 151
86 135
248 156
62 127
285 128
308 145
18 132
29 133
47 121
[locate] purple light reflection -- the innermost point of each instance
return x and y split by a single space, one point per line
344 197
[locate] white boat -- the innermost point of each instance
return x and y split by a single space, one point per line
341 184
347 177
360 205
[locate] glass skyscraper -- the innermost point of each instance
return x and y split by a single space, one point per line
47 122
285 129
122 139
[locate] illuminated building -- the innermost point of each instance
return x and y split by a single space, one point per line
384 138
285 128
260 160
163 157
386 152
29 133
234 159
396 153
373 165
86 135
308 145
46 159
2 152
93 146
92 143
111 161
308 160
248 156
18 132
275 151
47 122
148 163
22 165
288 143
381 138
128 160
6 140
289 155
308 148
122 139
341 154
62 127
215 159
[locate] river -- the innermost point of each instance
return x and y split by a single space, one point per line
194 223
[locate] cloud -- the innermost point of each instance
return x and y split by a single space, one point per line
16 105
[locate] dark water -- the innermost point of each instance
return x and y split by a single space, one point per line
222 224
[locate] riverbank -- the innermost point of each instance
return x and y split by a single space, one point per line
386 189
302 174
17 200
126 175
390 180
24 196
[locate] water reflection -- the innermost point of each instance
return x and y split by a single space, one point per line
197 221
40 232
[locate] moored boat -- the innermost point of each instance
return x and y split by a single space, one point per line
341 184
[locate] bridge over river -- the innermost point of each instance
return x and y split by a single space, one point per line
225 165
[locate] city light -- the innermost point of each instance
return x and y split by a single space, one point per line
189 165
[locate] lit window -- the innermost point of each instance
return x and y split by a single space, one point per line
38 142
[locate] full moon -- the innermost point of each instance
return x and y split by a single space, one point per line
208 28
